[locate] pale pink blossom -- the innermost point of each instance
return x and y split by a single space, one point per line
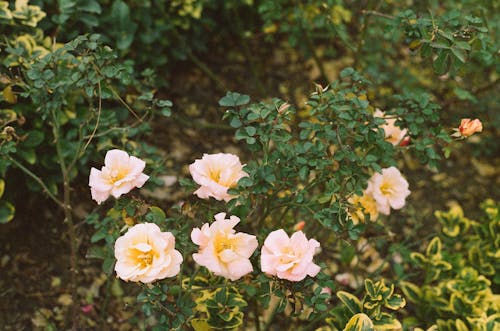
120 174
222 250
289 257
145 254
389 189
468 127
393 133
216 173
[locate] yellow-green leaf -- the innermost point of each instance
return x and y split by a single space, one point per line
434 248
7 211
411 291
352 302
200 324
8 95
2 187
359 322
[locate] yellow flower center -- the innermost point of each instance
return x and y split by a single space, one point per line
141 258
214 175
222 243
117 174
386 188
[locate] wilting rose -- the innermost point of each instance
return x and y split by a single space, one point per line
222 250
145 254
468 127
393 133
216 173
289 257
389 189
363 204
120 174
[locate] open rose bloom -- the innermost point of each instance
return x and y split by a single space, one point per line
389 189
289 258
120 174
468 127
145 254
393 133
222 250
216 173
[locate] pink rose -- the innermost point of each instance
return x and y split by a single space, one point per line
222 250
393 133
216 173
145 254
389 189
289 257
120 174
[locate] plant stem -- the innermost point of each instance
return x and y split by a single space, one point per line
256 313
202 66
248 53
206 70
68 217
315 56
38 180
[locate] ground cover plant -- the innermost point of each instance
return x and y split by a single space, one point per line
249 165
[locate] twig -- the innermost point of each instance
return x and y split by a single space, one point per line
99 108
376 13
38 180
68 217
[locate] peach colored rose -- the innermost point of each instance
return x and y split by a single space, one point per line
389 189
363 204
289 257
120 174
216 173
145 254
468 127
393 133
222 250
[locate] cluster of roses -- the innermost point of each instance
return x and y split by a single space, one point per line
389 188
146 254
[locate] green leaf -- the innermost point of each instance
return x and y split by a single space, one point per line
359 322
459 54
155 215
440 45
462 45
235 122
7 211
251 130
233 99
2 187
352 302
34 138
442 62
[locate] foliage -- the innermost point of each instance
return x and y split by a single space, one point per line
460 272
61 98
81 77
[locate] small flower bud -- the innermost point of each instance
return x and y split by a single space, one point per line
468 127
